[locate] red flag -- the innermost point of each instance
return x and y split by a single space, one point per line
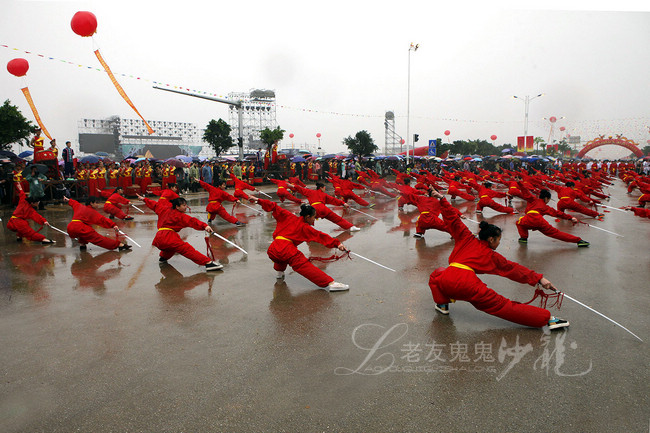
520 144
530 143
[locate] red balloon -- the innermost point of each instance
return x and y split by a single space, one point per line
562 128
18 67
84 23
447 132
318 135
290 135
553 119
493 137
648 141
402 141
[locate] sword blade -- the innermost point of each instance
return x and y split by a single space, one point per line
615 234
600 314
127 236
234 245
371 261
357 210
61 231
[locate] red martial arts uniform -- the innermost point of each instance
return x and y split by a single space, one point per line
80 226
318 199
344 189
534 219
240 186
113 205
429 208
638 211
567 197
283 192
455 190
291 231
216 196
472 256
167 240
18 221
485 200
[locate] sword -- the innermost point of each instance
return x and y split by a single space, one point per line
357 210
615 234
248 207
469 219
127 236
610 207
61 231
597 312
234 245
262 192
378 264
137 208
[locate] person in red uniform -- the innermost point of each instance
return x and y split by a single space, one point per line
533 218
406 193
291 231
25 211
455 189
81 226
216 196
318 199
170 222
638 211
486 195
472 256
567 195
113 205
429 208
344 189
240 186
283 191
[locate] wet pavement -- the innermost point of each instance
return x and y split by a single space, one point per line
103 341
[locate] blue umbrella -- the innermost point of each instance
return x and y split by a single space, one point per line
101 153
92 159
508 149
184 158
25 154
298 159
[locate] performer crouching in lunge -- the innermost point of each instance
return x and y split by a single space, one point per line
473 256
26 210
167 240
114 202
80 226
291 231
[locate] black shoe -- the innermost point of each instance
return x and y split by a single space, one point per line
162 260
556 323
19 239
82 248
209 221
212 266
418 235
240 224
47 242
523 240
582 243
129 218
111 217
124 247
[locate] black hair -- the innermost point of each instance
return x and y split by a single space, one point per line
177 202
544 194
217 182
570 184
407 180
90 200
118 188
170 185
319 185
32 200
487 184
307 210
488 230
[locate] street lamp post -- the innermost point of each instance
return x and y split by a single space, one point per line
527 100
412 47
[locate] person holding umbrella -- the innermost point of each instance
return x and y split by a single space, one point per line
36 191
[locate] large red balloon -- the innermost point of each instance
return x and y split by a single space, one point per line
318 135
402 141
18 67
290 135
447 132
84 23
553 119
493 137
562 128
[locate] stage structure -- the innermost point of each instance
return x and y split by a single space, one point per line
250 113
393 141
128 137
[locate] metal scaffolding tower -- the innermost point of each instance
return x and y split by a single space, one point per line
393 141
257 113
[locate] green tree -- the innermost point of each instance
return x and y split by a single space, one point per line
270 136
362 144
13 126
217 135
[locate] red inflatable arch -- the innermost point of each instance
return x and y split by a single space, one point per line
618 141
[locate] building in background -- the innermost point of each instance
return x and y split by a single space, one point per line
258 110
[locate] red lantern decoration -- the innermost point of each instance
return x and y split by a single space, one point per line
318 135
290 135
84 23
553 119
493 137
447 132
562 128
18 67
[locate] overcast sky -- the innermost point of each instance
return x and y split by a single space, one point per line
347 62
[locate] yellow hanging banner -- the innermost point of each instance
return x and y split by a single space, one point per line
120 90
30 101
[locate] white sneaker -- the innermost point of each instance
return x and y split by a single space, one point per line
354 229
279 275
336 287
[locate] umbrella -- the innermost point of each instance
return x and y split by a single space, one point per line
467 158
42 169
7 154
25 154
328 156
175 162
140 159
184 158
101 153
298 159
507 150
92 159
